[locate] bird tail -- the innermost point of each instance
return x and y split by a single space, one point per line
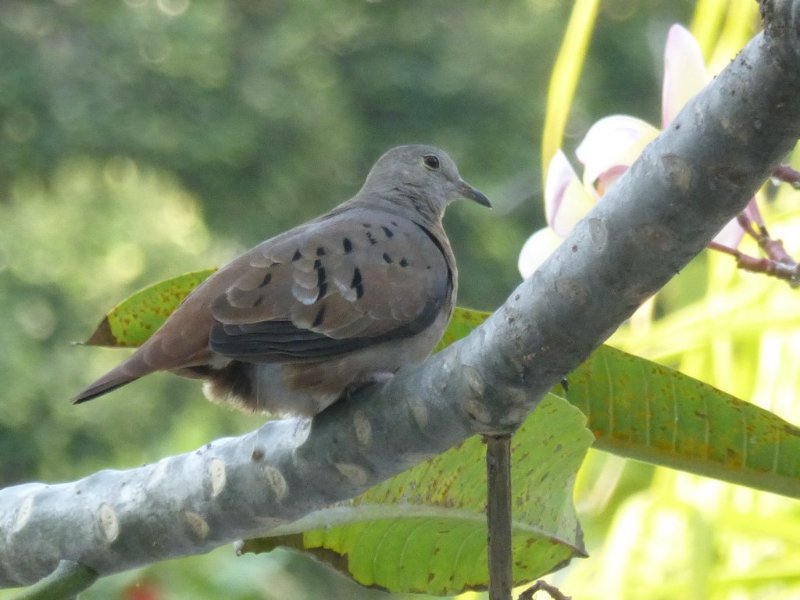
110 381
105 384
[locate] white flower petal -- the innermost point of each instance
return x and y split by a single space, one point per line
566 200
730 236
535 250
559 176
752 212
612 142
684 72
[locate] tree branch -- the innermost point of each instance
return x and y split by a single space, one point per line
664 210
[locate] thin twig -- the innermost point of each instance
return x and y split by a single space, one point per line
786 174
498 512
784 268
543 586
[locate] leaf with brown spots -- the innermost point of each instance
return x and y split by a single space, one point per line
639 409
136 318
425 529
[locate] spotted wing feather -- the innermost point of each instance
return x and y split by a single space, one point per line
333 288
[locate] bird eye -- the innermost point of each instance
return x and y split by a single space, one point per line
431 161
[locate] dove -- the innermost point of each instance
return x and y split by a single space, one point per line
332 305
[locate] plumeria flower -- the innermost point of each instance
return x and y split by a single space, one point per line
611 146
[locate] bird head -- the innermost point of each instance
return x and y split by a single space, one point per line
423 177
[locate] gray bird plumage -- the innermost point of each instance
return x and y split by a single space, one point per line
338 302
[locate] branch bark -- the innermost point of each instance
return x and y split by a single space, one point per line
687 184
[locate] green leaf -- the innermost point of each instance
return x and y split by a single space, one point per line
136 318
640 409
425 529
463 321
643 410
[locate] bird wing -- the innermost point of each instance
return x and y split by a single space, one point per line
357 278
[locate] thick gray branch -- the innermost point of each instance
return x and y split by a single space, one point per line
684 188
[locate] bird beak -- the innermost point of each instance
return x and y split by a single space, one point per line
467 191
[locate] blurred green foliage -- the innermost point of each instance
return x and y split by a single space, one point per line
146 138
